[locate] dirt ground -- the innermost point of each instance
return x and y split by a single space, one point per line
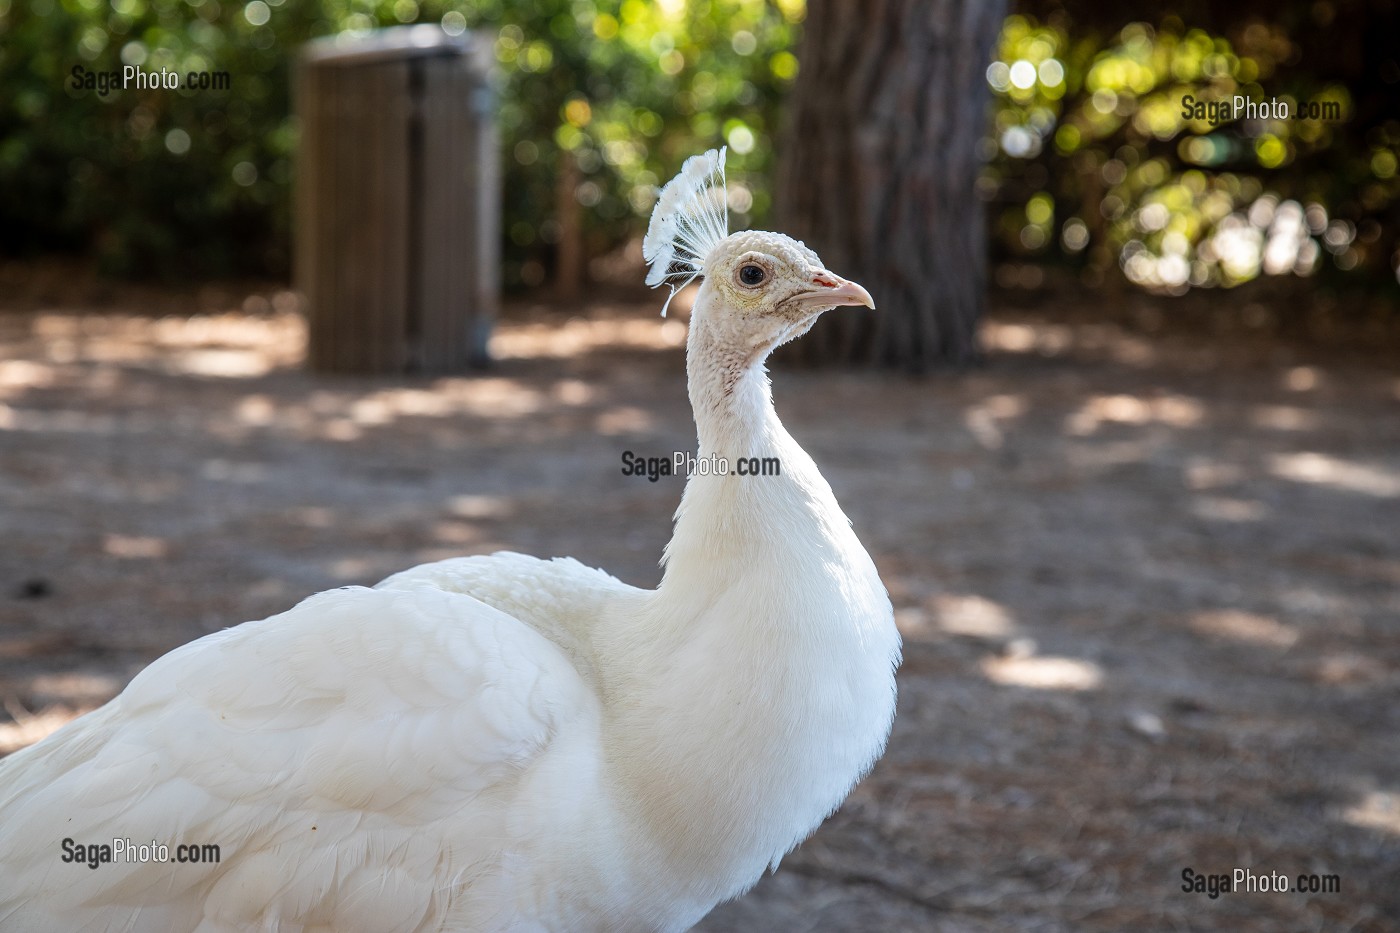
1148 573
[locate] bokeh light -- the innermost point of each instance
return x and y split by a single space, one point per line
1136 136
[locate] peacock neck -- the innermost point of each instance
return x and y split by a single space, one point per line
729 393
770 629
738 523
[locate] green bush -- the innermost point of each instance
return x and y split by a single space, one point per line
194 182
1094 159
1090 161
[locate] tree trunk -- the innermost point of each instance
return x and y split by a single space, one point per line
568 261
878 173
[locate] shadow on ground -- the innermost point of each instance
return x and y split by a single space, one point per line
1149 583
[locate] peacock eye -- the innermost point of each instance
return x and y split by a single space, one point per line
752 275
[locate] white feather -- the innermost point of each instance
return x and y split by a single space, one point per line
499 743
690 218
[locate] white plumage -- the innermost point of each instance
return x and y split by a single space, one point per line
503 743
690 219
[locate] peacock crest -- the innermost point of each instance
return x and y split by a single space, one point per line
691 216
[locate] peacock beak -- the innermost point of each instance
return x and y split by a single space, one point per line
830 291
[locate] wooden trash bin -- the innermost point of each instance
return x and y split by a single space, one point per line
397 201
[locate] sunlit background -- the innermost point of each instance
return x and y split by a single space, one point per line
1097 160
1090 164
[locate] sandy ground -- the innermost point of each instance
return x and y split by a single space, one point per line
1148 576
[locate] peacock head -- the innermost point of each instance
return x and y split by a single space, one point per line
771 278
766 288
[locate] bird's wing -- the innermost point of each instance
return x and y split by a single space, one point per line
339 754
559 598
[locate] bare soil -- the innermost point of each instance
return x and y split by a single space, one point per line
1147 569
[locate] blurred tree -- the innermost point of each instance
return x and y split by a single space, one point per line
879 170
1097 164
600 100
1090 165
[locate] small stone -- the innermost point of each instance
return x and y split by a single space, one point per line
34 588
1148 724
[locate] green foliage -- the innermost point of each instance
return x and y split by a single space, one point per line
1130 150
1091 161
627 91
151 180
177 181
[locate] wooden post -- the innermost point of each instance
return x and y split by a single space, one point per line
397 201
568 265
